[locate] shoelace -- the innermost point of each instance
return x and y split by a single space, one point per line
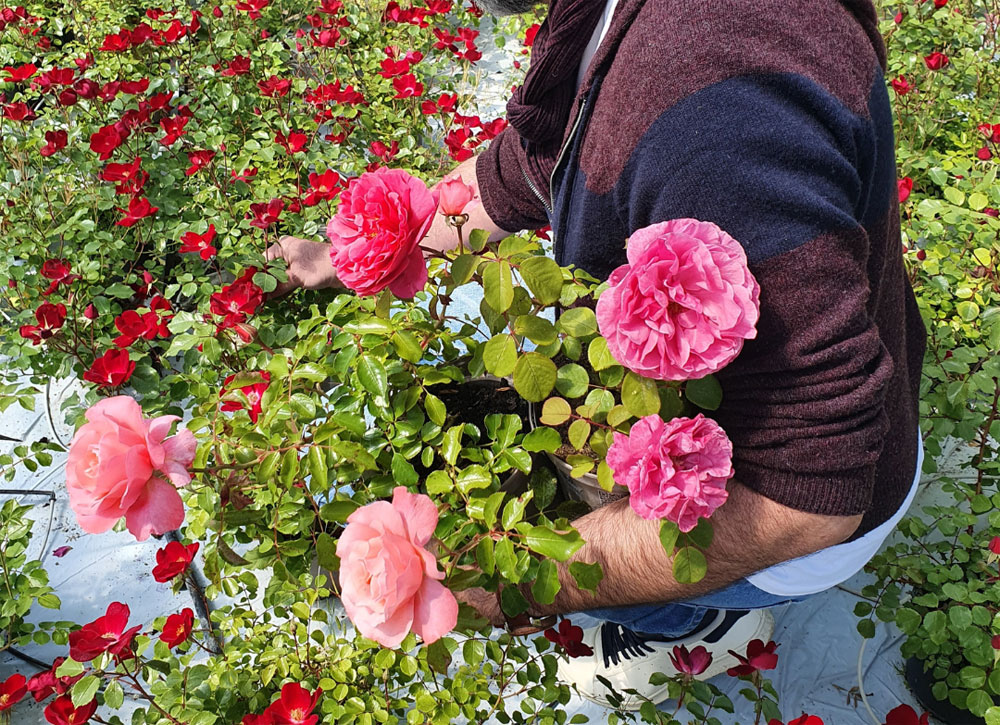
621 643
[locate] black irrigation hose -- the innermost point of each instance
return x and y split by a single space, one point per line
196 583
29 659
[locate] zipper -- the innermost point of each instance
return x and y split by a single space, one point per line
562 152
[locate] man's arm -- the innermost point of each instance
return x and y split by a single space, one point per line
752 532
309 261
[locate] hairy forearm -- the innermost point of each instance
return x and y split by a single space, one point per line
751 533
442 237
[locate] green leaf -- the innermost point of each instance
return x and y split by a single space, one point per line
452 444
701 535
49 601
473 477
689 565
866 628
69 668
992 716
972 677
908 620
85 690
500 355
512 602
572 381
326 552
960 618
316 461
546 584
979 702
669 532
498 285
559 546
403 472
543 277
407 346
599 356
978 201
477 239
537 329
640 395
439 482
704 392
586 576
542 439
555 411
578 322
372 374
954 196
338 511
462 268
579 431
491 507
485 557
114 695
534 376
435 408
506 560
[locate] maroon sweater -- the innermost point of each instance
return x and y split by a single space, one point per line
771 119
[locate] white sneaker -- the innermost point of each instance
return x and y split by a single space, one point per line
627 659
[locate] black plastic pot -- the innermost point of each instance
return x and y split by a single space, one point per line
920 684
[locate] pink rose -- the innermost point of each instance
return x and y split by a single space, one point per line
675 471
374 237
683 305
456 195
116 467
390 582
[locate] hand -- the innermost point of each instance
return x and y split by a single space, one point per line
308 265
488 607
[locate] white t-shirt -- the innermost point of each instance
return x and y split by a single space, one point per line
833 565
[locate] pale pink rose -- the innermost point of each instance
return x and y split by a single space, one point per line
455 196
390 582
683 305
375 234
675 471
121 464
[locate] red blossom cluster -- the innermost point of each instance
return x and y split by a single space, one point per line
323 187
173 559
252 392
236 302
570 638
758 657
111 369
991 132
177 628
293 707
174 31
50 318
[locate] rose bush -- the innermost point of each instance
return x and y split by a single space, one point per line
151 157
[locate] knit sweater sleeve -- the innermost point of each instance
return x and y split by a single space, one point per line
783 167
501 172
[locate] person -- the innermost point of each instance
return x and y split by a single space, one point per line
771 119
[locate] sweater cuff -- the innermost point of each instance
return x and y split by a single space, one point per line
841 493
507 197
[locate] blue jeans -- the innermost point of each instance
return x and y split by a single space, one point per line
680 618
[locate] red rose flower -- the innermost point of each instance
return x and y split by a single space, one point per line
323 187
294 706
61 711
252 7
110 370
47 683
200 244
936 60
804 719
294 143
759 657
274 87
690 663
904 187
570 638
238 66
105 634
237 301
19 112
134 88
984 154
254 394
50 318
177 628
905 715
173 128
173 559
407 86
12 690
104 142
901 86
138 209
19 74
199 160
54 141
995 545
264 215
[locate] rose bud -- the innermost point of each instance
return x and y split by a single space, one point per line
455 195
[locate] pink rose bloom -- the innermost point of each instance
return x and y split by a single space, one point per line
121 464
390 582
374 237
675 471
683 305
455 195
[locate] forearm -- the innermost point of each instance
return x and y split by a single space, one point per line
443 237
751 533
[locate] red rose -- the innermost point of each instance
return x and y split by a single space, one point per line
254 394
294 706
570 638
50 318
12 690
110 370
294 143
264 215
274 87
173 559
759 657
200 244
47 683
690 663
138 208
904 186
199 160
177 628
984 154
19 74
238 66
105 141
901 86
407 86
173 128
936 60
107 633
62 711
905 715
